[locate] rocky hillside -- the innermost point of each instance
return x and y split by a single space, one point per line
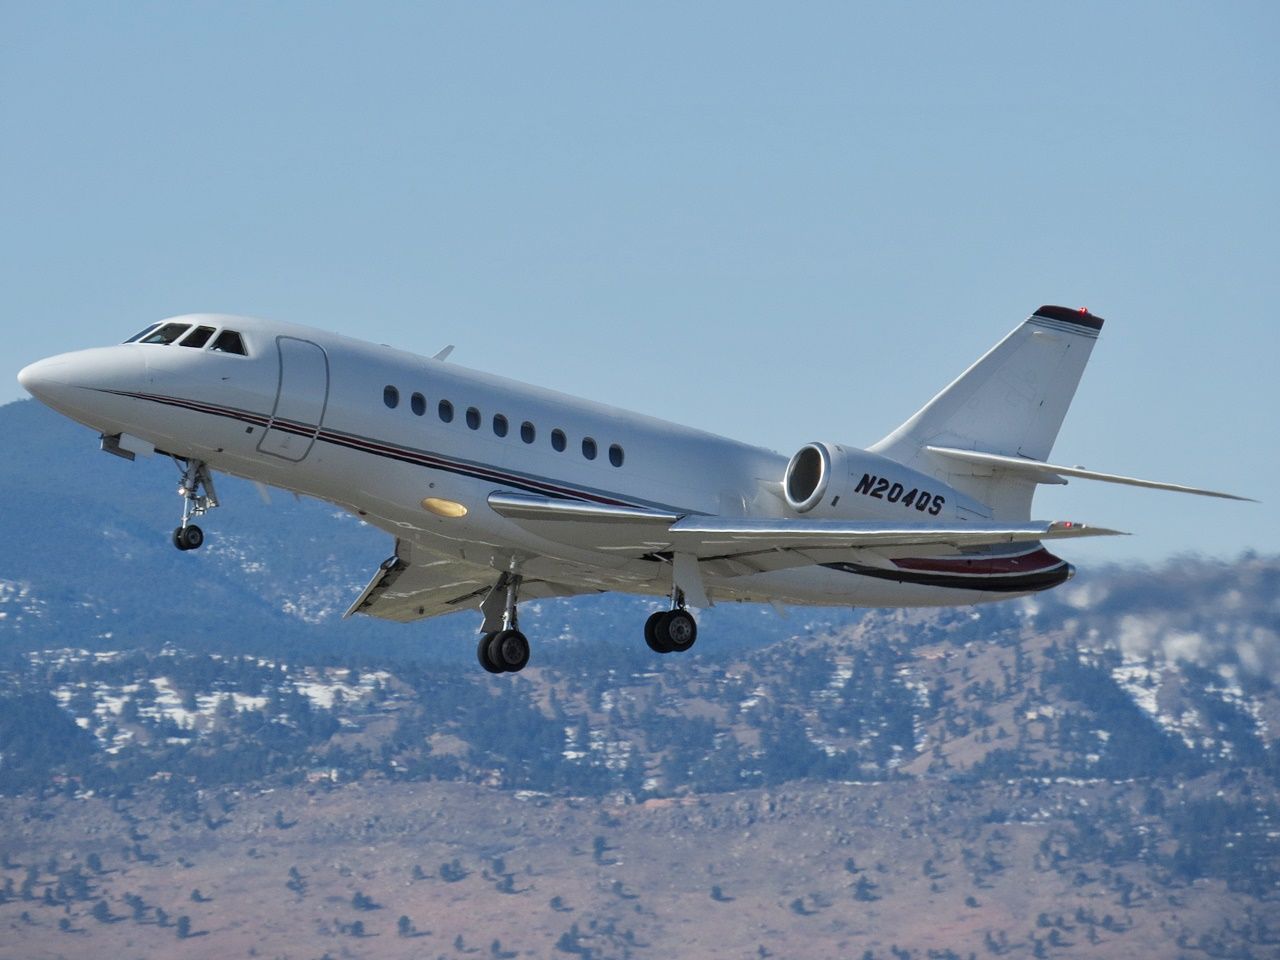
198 757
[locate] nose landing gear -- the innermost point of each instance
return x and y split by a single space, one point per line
198 498
505 650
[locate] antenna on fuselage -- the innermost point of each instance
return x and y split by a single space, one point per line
444 354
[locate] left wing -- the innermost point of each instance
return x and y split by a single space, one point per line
642 531
408 587
718 536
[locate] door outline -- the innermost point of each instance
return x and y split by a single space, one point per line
272 436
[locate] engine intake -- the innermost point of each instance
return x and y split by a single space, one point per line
808 476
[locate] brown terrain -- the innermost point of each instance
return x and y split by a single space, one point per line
802 871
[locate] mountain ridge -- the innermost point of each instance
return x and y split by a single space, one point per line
1092 769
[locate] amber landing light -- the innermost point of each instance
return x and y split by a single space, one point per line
444 508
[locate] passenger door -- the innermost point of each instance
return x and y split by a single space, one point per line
302 394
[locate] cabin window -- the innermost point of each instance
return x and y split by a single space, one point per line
473 418
229 342
588 448
528 433
500 425
445 409
142 333
197 337
615 455
418 404
167 333
558 440
390 396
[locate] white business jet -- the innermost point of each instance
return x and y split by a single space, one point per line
498 492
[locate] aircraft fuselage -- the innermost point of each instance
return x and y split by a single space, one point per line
391 436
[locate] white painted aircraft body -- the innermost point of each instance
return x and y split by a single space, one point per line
499 492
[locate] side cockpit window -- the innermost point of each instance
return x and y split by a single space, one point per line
142 333
197 337
166 333
229 342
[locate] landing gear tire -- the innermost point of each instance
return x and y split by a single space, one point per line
677 630
505 650
189 537
670 631
509 650
651 636
482 654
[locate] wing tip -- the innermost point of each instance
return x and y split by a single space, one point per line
1075 528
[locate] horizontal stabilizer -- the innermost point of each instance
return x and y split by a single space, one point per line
1036 471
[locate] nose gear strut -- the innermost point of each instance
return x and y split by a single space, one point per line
198 498
505 650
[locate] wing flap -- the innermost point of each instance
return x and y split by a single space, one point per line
408 586
404 591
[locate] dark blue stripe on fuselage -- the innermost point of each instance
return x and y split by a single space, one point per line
390 451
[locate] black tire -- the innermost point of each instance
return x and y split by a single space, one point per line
177 538
651 633
482 654
192 537
510 650
678 630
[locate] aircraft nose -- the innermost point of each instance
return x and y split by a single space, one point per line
44 377
76 383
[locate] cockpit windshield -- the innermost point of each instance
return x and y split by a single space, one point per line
167 333
201 337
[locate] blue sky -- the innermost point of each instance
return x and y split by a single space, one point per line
779 222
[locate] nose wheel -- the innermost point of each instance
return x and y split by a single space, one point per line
198 498
188 538
503 650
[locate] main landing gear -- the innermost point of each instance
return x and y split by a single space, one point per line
505 650
671 631
502 648
198 498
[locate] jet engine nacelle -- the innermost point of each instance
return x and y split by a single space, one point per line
835 482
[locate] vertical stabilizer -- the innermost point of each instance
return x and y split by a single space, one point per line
1011 402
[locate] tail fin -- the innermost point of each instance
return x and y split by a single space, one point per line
1011 402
